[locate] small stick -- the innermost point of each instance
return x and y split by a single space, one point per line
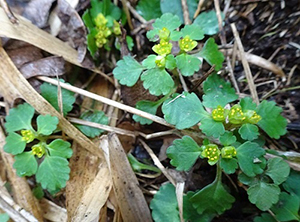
198 8
137 15
124 3
245 64
12 18
186 15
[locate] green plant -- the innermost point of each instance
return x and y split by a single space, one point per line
232 143
35 152
101 21
156 71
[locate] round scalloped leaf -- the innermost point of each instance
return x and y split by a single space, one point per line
46 124
187 64
227 138
149 62
249 131
193 31
25 164
212 198
271 120
60 148
19 118
292 183
287 207
263 195
183 153
128 71
167 20
247 104
184 110
248 155
211 54
158 81
164 205
95 117
217 92
278 170
229 166
147 106
49 92
170 62
211 127
208 22
53 173
14 144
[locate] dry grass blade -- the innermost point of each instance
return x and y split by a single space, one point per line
130 198
179 195
53 212
245 65
21 190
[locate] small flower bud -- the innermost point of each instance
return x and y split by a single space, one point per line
219 114
236 115
211 152
186 44
27 135
252 117
38 150
228 152
164 34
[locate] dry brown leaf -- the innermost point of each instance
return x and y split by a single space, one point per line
53 212
131 200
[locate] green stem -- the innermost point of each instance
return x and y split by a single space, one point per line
219 172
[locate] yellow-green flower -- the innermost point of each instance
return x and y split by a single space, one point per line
228 152
219 114
163 48
186 44
164 34
252 117
27 135
116 28
160 61
38 150
236 115
100 20
211 152
101 36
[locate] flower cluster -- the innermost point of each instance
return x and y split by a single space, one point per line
38 150
228 152
187 44
235 115
211 152
28 135
103 30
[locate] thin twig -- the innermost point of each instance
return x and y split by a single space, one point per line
185 10
125 8
198 10
157 162
245 64
107 101
12 18
136 15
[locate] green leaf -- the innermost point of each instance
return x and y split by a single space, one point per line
53 173
227 138
211 127
249 132
19 118
193 31
272 122
278 170
49 92
170 62
14 144
217 92
229 165
184 153
187 64
91 43
149 62
287 207
46 124
211 54
213 198
147 106
138 166
164 205
243 178
208 22
149 9
168 21
248 155
263 195
95 117
247 104
110 9
128 71
38 192
4 217
60 148
158 81
88 21
292 183
184 110
175 7
25 164
189 212
265 217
